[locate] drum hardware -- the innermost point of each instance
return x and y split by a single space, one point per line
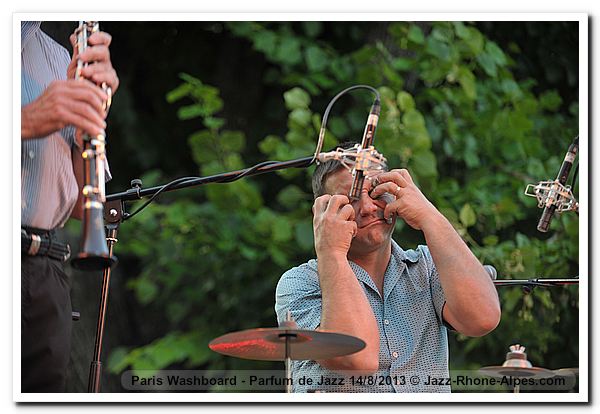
516 365
567 372
286 343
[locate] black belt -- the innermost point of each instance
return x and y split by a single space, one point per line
36 242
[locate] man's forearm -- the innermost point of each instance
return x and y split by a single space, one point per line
472 305
345 309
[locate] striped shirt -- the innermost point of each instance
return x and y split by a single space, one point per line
413 339
48 185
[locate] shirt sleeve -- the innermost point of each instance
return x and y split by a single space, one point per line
299 292
437 292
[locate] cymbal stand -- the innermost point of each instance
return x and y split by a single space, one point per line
288 323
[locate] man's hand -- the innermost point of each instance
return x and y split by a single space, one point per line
97 56
344 307
410 204
64 102
333 225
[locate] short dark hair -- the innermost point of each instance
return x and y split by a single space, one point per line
325 168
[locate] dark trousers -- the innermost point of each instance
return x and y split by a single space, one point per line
45 324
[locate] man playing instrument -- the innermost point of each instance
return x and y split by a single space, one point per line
399 302
55 110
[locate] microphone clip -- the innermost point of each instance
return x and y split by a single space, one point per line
367 160
550 193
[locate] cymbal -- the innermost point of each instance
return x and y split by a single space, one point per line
567 372
268 344
523 372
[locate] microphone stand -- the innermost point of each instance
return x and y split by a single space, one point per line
115 214
530 284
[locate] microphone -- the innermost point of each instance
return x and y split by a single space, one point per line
491 271
561 180
555 196
367 143
362 160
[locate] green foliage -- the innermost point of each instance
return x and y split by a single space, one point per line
453 113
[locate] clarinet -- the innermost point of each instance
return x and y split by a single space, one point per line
94 254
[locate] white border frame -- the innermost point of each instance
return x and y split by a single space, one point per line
584 309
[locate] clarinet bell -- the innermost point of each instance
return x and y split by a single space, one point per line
94 254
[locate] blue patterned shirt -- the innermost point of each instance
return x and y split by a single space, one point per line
412 335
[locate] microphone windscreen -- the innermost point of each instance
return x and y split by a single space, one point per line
491 271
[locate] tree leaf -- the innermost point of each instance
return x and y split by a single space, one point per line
487 63
190 111
415 34
550 100
213 123
405 101
496 53
467 215
265 41
467 82
296 98
179 92
304 234
288 50
291 196
316 58
312 28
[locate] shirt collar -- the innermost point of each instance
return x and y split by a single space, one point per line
399 256
28 29
404 255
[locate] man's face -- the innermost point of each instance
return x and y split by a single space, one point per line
373 230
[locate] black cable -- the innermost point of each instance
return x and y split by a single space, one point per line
185 179
256 167
127 216
328 109
248 171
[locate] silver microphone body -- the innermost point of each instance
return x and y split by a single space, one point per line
367 141
554 197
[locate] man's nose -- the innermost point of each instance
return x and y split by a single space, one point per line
365 205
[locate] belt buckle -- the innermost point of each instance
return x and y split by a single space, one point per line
36 242
68 254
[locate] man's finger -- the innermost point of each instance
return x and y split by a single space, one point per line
404 172
336 202
102 72
320 203
388 187
83 110
394 176
83 124
391 209
73 40
353 227
89 93
100 38
347 212
95 54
